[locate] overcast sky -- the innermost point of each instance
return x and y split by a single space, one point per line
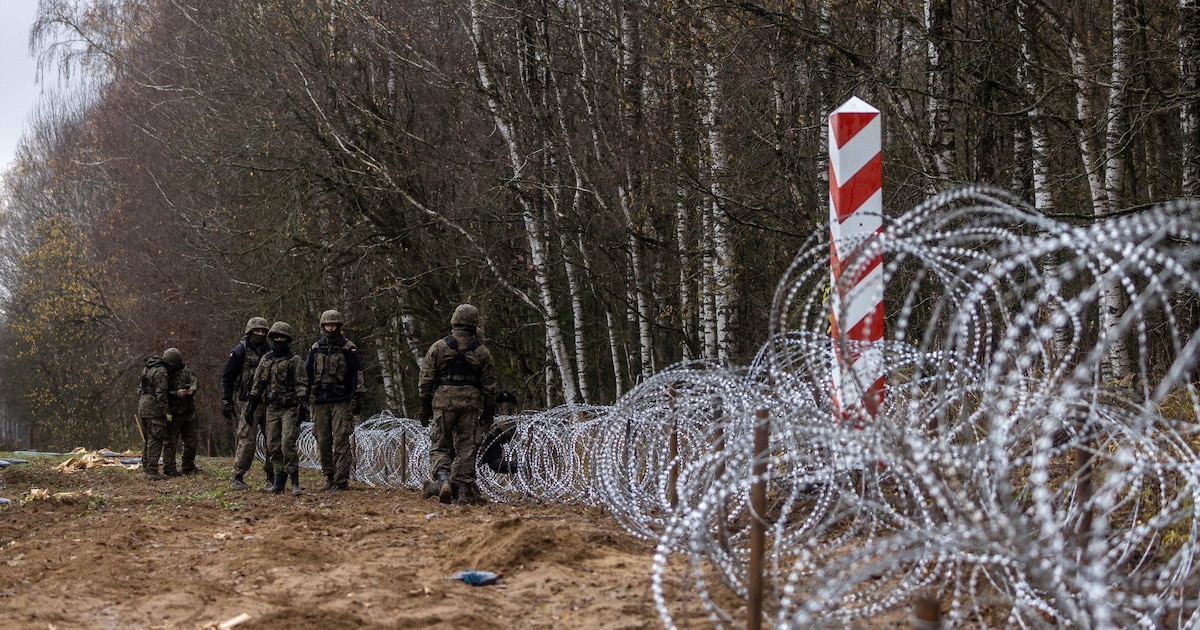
17 71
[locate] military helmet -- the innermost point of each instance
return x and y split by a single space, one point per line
465 315
331 317
173 357
256 322
281 328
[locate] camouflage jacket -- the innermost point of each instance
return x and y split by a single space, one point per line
280 380
183 378
152 402
458 372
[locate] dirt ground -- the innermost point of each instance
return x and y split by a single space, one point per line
114 550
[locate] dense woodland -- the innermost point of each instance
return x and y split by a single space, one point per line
618 185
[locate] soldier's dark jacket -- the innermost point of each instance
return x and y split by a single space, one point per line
238 377
333 368
153 400
280 380
462 377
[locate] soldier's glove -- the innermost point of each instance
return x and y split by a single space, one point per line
488 416
506 396
226 409
302 415
425 415
355 405
250 409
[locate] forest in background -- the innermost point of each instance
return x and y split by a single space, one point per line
618 185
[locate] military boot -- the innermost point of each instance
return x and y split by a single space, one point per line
238 483
279 483
296 489
445 490
269 482
467 494
153 474
432 487
328 481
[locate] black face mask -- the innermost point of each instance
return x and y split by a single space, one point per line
279 347
256 339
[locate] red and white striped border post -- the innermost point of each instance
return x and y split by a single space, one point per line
855 216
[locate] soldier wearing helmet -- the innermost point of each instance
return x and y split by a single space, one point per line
458 386
333 368
152 413
181 415
236 382
281 385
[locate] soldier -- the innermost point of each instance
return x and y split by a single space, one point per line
181 410
281 384
152 413
458 394
333 368
236 382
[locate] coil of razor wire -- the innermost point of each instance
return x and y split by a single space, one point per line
1010 475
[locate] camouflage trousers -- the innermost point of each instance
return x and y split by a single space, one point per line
332 425
247 435
454 435
283 432
155 432
181 427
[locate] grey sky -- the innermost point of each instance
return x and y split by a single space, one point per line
17 70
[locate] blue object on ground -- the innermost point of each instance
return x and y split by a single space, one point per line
476 578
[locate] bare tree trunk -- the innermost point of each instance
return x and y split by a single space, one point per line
938 22
631 87
1189 92
533 222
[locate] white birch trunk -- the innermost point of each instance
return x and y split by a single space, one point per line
1112 298
573 286
614 346
686 288
938 21
1039 157
721 244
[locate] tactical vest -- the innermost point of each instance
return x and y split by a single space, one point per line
279 380
458 371
329 369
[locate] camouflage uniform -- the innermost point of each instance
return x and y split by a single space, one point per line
458 386
236 382
333 368
182 426
183 418
281 385
152 413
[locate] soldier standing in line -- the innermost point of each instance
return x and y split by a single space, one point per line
181 415
333 368
458 395
236 382
152 413
281 384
